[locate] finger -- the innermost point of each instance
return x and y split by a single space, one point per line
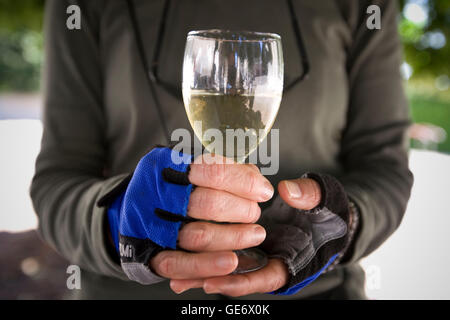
268 279
184 265
301 193
241 180
253 167
179 286
204 236
221 206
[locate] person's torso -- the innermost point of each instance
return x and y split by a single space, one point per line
312 114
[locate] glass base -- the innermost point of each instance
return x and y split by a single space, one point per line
250 260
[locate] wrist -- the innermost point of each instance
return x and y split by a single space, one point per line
113 214
352 228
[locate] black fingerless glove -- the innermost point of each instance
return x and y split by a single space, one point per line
308 241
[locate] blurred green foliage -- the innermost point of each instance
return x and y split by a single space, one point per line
20 60
21 14
424 28
21 44
431 109
426 43
430 106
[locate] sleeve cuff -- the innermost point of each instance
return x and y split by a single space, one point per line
108 259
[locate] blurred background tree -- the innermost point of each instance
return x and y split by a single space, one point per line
424 27
425 32
20 44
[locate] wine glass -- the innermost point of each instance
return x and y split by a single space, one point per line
232 87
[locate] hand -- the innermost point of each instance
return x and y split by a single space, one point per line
301 193
224 193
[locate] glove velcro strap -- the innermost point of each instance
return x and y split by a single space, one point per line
169 216
333 196
178 177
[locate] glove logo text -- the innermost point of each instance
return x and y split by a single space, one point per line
126 251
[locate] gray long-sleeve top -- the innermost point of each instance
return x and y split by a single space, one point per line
349 119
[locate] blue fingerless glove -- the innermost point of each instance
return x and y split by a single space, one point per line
146 217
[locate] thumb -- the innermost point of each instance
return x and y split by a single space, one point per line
303 193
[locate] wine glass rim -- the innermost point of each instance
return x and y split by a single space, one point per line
234 35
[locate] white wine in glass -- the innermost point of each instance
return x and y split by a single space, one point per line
232 112
233 83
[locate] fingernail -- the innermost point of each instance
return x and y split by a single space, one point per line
224 262
176 290
180 291
293 190
268 190
259 234
209 289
